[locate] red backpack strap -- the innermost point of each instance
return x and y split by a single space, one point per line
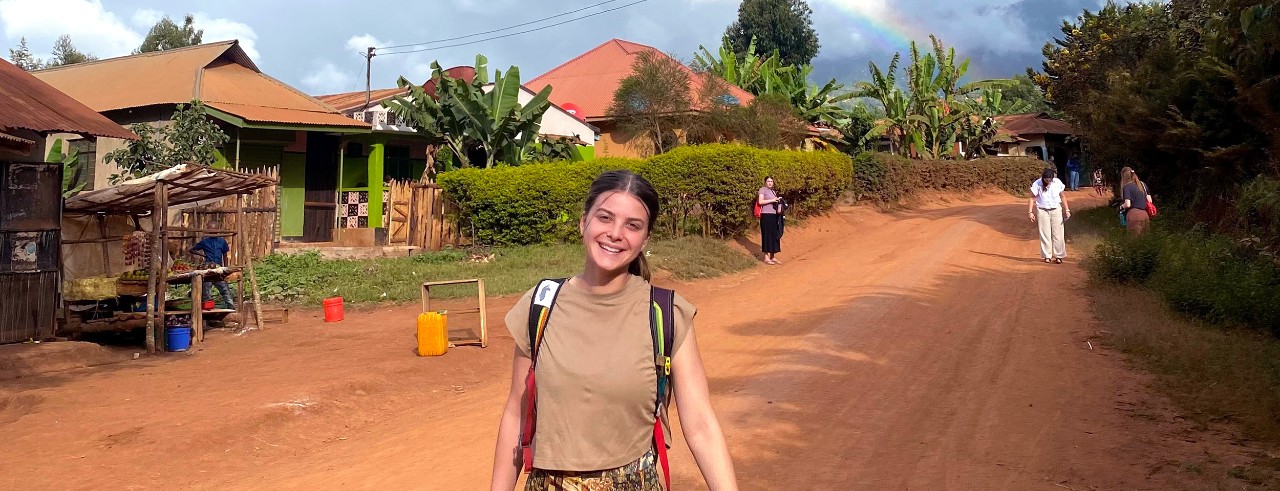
540 306
662 330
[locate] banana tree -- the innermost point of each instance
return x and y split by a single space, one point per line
70 168
469 115
744 72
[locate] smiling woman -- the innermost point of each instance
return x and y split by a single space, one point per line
614 338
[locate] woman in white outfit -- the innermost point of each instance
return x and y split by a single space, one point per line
1048 208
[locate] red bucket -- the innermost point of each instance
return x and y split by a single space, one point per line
208 305
333 309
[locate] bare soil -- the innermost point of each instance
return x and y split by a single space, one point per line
920 349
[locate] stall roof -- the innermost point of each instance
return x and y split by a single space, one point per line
187 184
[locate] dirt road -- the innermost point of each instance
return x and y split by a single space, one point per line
926 349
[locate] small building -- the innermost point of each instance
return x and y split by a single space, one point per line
1036 135
556 122
270 124
587 84
32 112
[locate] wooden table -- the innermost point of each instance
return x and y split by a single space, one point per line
479 282
197 278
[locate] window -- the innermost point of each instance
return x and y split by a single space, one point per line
392 119
397 165
87 157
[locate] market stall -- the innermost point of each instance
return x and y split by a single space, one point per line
141 254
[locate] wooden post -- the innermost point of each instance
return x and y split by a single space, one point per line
241 245
197 309
253 279
106 253
484 326
154 280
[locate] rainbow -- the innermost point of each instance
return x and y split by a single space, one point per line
877 24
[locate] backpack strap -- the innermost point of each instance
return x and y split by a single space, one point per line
662 330
540 306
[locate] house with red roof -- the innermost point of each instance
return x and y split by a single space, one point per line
1036 135
585 85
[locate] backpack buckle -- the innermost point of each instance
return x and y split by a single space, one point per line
666 365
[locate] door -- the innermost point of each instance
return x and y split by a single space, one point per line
318 215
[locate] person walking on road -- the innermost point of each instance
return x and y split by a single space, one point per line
1135 194
1099 183
1073 172
770 222
581 413
1048 208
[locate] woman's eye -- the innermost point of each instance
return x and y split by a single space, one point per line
603 218
634 226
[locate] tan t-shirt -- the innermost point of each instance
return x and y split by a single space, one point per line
595 375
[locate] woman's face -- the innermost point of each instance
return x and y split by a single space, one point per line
615 231
768 183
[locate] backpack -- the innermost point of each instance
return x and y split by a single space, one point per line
662 332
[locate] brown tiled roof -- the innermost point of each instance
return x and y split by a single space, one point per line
28 103
352 100
590 79
219 74
1034 124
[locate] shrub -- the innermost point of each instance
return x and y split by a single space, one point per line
529 204
1209 276
706 188
1258 212
887 179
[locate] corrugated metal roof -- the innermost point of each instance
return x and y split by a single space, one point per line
1034 124
219 74
590 79
28 103
351 100
161 77
278 115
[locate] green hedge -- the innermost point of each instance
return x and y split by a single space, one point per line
1211 276
706 189
887 179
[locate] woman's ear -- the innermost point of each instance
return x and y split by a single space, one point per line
582 225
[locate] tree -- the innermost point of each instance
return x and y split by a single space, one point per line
471 120
168 35
23 58
1024 96
65 53
654 101
762 76
191 139
783 26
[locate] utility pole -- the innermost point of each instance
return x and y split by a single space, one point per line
368 71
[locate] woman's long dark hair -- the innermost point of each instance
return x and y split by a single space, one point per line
1046 177
635 185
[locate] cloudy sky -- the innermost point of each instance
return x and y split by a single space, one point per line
315 45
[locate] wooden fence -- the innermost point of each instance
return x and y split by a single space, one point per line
420 215
261 228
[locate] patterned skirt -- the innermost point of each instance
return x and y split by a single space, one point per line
641 475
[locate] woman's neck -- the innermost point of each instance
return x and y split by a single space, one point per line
597 282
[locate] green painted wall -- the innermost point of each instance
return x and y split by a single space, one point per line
292 193
587 153
222 162
419 165
355 173
377 155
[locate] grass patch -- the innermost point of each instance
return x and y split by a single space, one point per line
1216 374
307 278
691 258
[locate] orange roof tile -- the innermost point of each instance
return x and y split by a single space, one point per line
590 79
218 73
28 103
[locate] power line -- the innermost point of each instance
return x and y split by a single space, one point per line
562 14
515 33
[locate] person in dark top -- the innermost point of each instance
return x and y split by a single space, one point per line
1073 172
214 251
1135 194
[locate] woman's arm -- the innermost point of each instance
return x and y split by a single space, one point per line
764 201
1031 208
506 454
697 419
1066 208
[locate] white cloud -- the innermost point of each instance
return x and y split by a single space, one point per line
222 29
328 79
361 43
145 18
93 29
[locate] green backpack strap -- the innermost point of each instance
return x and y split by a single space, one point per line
662 323
544 298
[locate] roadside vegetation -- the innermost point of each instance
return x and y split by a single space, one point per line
307 278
